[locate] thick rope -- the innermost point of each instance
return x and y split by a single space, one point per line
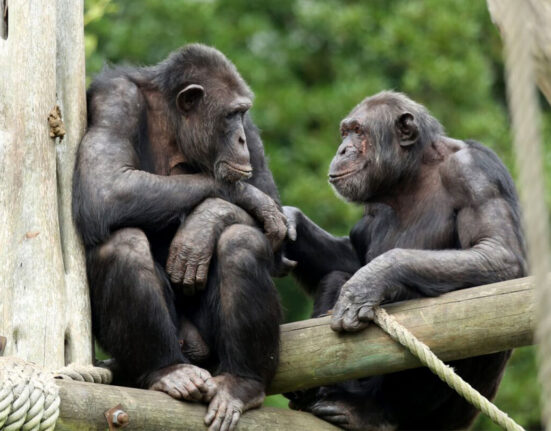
403 336
85 373
29 397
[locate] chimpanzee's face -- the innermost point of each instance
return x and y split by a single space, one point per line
233 161
213 130
349 168
374 152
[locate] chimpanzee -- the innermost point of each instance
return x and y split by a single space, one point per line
163 141
440 214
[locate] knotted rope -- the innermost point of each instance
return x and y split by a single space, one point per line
403 336
85 373
29 397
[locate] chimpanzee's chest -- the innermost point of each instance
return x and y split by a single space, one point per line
431 225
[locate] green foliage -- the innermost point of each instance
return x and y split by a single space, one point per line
309 62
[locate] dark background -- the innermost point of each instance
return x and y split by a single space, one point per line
310 62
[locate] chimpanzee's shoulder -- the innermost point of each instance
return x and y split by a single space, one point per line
114 92
476 172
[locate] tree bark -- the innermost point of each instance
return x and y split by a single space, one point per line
44 305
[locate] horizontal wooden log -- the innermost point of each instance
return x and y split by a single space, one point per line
83 407
460 324
457 325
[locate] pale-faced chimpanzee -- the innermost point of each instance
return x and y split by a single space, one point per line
440 214
160 141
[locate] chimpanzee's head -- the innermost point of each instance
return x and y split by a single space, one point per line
382 143
209 103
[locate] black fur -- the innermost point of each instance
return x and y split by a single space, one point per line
440 215
128 212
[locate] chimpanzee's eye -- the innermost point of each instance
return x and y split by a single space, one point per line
235 114
357 129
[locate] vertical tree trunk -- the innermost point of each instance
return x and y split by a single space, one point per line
44 305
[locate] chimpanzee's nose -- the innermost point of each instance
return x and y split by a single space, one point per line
342 149
242 140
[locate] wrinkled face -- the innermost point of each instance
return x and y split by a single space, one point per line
375 152
213 131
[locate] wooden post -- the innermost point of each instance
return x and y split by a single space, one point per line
44 306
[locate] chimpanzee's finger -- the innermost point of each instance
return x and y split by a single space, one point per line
211 412
172 261
227 421
201 275
189 277
178 268
336 322
291 229
366 313
350 321
234 419
338 420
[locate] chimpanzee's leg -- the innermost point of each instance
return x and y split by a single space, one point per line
240 313
353 404
134 319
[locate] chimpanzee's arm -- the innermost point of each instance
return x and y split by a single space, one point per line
109 188
488 230
316 251
193 244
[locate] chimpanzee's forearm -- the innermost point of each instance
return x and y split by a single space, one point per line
434 272
318 253
217 214
134 198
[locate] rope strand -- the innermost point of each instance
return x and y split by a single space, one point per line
403 336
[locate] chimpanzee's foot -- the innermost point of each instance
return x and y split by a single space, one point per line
348 413
234 396
183 381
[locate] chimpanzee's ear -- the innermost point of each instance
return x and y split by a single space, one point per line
189 97
407 129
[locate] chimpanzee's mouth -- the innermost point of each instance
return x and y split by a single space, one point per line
245 171
333 177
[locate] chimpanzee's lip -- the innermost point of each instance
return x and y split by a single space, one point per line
340 175
240 169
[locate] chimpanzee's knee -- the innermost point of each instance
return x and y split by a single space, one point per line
238 241
129 245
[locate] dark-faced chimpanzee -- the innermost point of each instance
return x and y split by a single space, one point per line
161 142
440 214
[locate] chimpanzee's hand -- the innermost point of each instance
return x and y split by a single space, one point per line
193 245
264 209
354 308
191 250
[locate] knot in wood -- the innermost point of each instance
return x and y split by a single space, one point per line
57 128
